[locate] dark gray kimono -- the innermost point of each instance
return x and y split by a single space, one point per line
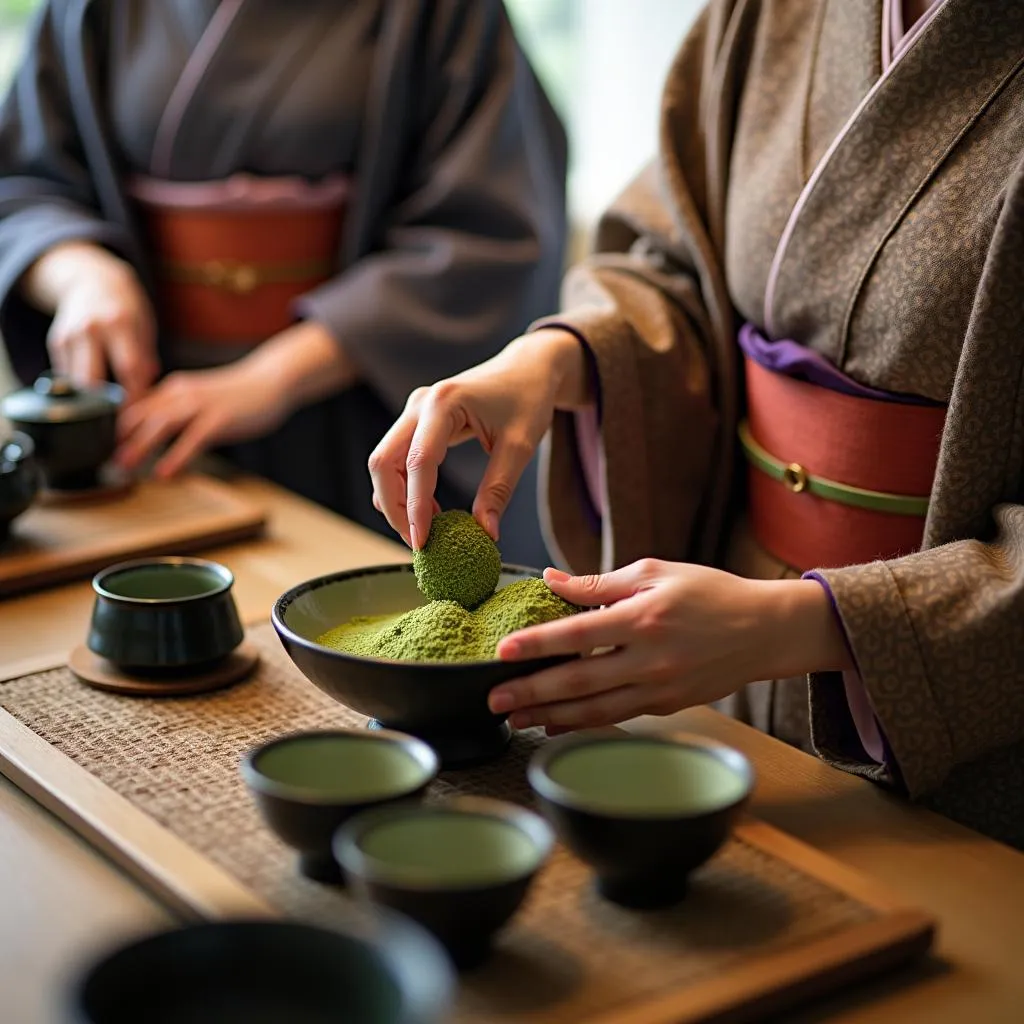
453 244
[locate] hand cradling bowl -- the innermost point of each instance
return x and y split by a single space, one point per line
460 868
307 784
73 428
164 614
642 811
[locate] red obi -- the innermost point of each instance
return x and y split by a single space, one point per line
231 257
836 479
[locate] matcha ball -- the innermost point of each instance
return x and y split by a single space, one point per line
459 562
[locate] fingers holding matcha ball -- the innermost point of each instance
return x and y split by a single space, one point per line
459 561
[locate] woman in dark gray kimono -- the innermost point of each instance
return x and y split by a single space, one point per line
271 222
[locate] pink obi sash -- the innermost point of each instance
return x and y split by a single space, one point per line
232 256
835 478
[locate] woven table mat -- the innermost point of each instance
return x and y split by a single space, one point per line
568 955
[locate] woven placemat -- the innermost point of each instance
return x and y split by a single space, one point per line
568 954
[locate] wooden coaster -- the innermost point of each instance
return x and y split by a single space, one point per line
101 674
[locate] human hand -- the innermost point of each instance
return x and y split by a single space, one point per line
102 318
676 635
246 399
507 403
195 410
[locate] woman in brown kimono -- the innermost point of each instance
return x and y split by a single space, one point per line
784 405
327 204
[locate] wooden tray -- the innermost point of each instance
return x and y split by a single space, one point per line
155 784
60 542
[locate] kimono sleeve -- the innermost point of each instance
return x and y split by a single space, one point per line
470 249
652 306
46 190
938 635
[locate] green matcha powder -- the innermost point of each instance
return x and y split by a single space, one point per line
446 629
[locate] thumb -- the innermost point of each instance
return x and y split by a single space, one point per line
507 464
595 590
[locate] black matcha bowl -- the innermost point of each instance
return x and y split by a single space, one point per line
461 867
19 479
369 971
443 703
74 429
162 616
642 811
308 784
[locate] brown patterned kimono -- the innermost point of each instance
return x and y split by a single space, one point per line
904 266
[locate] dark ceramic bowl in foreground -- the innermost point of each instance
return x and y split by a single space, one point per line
367 972
158 614
307 784
443 703
460 868
74 428
19 479
643 811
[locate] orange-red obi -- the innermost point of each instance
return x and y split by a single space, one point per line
835 479
231 257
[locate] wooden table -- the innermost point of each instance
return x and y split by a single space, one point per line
60 901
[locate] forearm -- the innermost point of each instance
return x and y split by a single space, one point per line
66 264
303 364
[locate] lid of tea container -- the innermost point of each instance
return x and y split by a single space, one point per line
54 399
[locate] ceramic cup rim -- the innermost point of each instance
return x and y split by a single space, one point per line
357 864
256 780
224 574
291 595
541 782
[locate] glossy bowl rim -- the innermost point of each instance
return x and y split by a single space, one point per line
359 865
315 583
227 579
258 782
419 967
545 787
28 451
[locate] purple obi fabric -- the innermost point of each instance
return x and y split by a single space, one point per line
794 360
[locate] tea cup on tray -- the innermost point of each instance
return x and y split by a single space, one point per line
460 867
642 811
308 784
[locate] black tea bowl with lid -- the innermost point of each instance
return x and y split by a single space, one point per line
73 428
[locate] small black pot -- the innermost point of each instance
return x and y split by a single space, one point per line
74 428
643 811
386 971
308 784
19 479
460 868
160 614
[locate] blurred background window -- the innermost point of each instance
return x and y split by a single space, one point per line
602 62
